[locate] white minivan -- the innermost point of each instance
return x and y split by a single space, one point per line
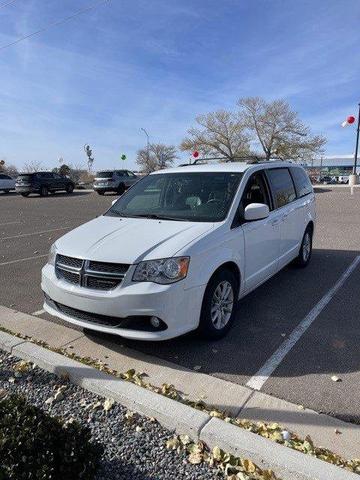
179 248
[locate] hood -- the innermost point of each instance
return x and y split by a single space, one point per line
129 240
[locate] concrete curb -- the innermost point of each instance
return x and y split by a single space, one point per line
289 464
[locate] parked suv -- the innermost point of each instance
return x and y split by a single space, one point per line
7 183
42 183
177 251
114 181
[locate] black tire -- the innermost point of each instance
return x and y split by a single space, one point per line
44 191
207 325
121 189
25 194
6 191
305 252
100 192
69 188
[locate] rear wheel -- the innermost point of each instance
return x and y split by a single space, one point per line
6 191
69 188
305 251
121 189
44 191
219 305
100 192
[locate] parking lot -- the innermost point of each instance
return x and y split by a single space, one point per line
266 317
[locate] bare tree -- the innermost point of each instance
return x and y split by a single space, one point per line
157 157
32 166
11 170
218 133
278 130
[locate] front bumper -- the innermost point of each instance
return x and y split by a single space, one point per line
25 189
179 307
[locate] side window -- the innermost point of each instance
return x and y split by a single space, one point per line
256 191
282 186
302 182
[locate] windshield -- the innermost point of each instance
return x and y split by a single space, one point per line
24 177
108 174
194 196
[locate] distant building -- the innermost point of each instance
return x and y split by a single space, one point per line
333 165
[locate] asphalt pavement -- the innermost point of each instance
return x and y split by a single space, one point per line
266 318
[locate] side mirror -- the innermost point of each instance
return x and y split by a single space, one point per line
256 211
114 201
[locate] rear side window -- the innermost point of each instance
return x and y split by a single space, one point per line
282 186
302 182
107 174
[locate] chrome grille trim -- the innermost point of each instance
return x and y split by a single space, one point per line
103 280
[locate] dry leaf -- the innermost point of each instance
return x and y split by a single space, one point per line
109 402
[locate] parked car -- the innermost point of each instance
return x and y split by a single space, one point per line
343 179
177 251
42 183
7 183
114 181
327 180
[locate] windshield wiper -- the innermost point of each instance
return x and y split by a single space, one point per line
157 217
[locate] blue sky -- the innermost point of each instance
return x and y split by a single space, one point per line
156 64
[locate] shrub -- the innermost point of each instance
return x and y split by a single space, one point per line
35 446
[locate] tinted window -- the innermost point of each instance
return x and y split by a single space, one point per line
107 174
302 182
25 177
282 186
197 197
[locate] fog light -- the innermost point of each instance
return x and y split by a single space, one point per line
155 322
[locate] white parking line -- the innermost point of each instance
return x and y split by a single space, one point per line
34 233
8 223
23 259
39 312
257 381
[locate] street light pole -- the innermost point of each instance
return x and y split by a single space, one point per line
148 143
357 143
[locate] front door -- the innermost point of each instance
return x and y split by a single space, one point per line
261 237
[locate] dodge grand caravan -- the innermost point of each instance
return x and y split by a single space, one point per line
178 249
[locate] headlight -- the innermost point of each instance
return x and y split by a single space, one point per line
164 271
52 254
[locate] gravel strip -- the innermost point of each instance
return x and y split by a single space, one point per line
134 445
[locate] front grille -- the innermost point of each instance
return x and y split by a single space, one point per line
108 267
68 276
141 323
69 261
89 273
101 283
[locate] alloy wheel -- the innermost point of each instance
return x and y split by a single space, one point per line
222 304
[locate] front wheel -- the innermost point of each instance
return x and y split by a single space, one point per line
305 251
219 305
121 189
69 188
25 194
100 192
44 191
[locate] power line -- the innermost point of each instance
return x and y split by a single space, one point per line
7 3
54 24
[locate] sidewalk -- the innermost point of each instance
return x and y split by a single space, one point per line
235 399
